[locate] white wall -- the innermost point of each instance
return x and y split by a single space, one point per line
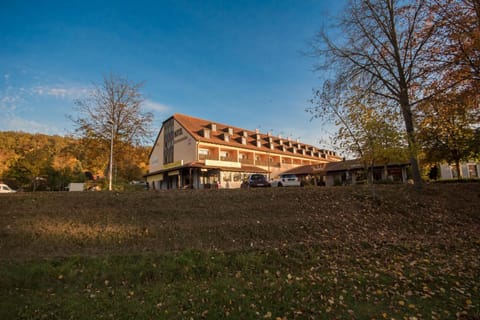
446 170
185 146
156 157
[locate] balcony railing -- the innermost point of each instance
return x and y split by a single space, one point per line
246 161
228 159
206 157
266 163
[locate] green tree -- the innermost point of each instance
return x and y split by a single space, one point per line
367 128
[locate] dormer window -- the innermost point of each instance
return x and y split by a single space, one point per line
206 133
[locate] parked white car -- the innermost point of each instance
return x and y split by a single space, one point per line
6 189
286 180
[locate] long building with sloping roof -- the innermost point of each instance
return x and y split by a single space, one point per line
198 153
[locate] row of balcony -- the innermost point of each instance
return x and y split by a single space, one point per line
259 162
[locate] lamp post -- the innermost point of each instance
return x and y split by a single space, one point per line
112 123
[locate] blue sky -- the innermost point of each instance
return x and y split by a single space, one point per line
234 62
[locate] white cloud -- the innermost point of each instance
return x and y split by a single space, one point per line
59 92
14 123
155 106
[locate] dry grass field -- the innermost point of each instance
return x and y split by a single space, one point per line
306 253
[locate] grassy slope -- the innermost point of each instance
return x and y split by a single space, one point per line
293 253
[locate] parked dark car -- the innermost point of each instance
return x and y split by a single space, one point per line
255 180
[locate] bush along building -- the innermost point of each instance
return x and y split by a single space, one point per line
195 153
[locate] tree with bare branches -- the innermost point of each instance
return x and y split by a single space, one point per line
112 114
381 48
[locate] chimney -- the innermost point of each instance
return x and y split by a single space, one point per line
213 127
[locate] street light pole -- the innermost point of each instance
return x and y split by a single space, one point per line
111 159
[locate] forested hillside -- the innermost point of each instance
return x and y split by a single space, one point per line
43 162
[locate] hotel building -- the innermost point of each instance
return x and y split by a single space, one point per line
197 153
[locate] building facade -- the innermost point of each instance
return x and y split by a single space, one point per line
468 170
196 153
349 172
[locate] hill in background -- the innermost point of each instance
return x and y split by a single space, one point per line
44 162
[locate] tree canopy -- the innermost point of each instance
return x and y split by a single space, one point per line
404 55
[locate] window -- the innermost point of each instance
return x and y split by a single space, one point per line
168 143
472 171
203 154
224 155
206 133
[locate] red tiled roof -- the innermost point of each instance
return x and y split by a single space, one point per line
196 126
346 165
